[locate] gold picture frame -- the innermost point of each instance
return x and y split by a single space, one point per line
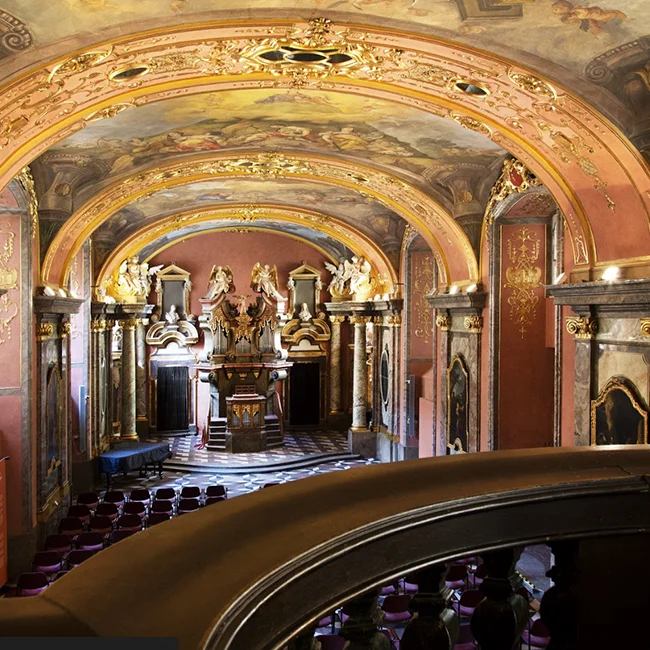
616 413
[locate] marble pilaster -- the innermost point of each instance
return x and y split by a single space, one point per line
141 376
128 380
359 375
335 365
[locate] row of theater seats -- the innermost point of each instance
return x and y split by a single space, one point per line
97 522
464 578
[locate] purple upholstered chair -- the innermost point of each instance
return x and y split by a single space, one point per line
191 492
157 518
479 575
59 543
92 541
330 641
210 500
48 562
456 576
77 556
109 510
536 636
31 584
409 584
81 511
135 508
130 522
71 526
396 609
115 496
465 640
162 506
216 491
90 499
100 524
141 495
188 505
468 602
118 535
166 494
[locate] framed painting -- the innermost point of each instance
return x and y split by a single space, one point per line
457 406
617 416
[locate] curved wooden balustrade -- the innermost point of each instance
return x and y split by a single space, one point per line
248 573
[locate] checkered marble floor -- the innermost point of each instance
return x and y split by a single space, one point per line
236 484
297 445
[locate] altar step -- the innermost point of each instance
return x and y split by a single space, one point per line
217 437
273 431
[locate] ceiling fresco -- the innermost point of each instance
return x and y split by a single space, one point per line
372 130
358 210
566 32
330 246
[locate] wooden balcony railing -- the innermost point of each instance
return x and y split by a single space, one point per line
256 572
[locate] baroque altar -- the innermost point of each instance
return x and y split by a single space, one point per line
243 361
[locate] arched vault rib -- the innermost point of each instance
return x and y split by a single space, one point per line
246 215
453 251
592 170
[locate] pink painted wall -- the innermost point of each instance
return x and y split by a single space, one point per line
239 251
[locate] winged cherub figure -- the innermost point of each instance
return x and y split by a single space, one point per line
265 279
220 282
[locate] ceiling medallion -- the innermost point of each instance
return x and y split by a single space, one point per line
534 85
80 63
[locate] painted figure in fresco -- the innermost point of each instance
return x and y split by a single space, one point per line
589 19
265 279
220 282
618 422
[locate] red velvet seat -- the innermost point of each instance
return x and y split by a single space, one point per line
81 511
479 575
118 535
537 636
162 506
166 494
141 495
468 602
456 576
135 508
115 496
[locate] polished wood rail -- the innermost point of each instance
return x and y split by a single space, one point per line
252 572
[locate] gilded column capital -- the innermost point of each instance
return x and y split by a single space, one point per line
443 321
645 326
582 327
44 330
65 329
378 320
356 319
128 323
474 324
337 319
394 320
99 325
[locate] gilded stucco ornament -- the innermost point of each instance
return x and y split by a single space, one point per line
473 324
443 321
582 327
133 281
27 181
644 324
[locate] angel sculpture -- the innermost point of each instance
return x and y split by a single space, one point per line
134 280
359 274
265 279
339 278
220 282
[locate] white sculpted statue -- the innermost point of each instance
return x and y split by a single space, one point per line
133 282
220 282
304 315
265 279
351 277
172 316
339 278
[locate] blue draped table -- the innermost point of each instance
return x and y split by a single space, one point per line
128 456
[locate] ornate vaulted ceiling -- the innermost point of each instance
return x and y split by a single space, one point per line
410 111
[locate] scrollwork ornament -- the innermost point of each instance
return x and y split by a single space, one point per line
443 321
44 330
645 326
582 327
473 324
27 181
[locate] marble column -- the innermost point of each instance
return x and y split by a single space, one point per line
335 365
128 380
141 375
359 375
